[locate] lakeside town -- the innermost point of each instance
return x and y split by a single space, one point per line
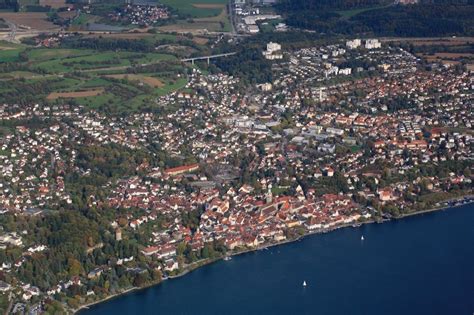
350 132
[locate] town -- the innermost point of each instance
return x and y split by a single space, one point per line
141 15
346 133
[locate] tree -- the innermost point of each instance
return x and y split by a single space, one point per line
156 275
75 267
124 282
140 280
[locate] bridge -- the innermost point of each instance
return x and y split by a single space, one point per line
208 58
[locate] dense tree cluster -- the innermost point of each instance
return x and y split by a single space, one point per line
429 18
109 44
249 65
25 92
9 5
161 67
302 5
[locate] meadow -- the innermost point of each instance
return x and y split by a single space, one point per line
101 80
197 8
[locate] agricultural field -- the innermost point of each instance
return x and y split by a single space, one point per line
9 55
29 20
61 61
9 52
136 35
76 94
217 23
53 3
447 50
100 61
142 79
120 80
103 80
197 8
81 21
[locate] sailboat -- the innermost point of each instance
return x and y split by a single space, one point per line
362 238
304 283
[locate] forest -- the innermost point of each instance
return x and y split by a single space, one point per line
9 5
249 65
377 18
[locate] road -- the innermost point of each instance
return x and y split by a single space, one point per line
231 17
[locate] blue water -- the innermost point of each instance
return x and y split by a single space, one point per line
419 265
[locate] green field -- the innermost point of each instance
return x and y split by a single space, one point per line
89 61
10 55
172 85
118 95
187 7
54 72
10 52
83 19
44 54
216 23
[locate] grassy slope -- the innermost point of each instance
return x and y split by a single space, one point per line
100 60
186 7
56 60
10 55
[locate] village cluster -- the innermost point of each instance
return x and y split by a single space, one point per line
343 134
140 15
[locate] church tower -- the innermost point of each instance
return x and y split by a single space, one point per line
269 196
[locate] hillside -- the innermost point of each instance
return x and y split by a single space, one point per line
379 18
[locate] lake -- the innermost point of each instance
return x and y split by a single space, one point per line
418 265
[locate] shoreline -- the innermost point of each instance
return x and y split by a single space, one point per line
110 297
458 199
287 241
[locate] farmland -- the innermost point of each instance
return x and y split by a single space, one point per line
151 81
197 8
53 3
104 80
111 71
29 20
198 16
448 50
61 61
86 93
9 55
217 23
100 61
